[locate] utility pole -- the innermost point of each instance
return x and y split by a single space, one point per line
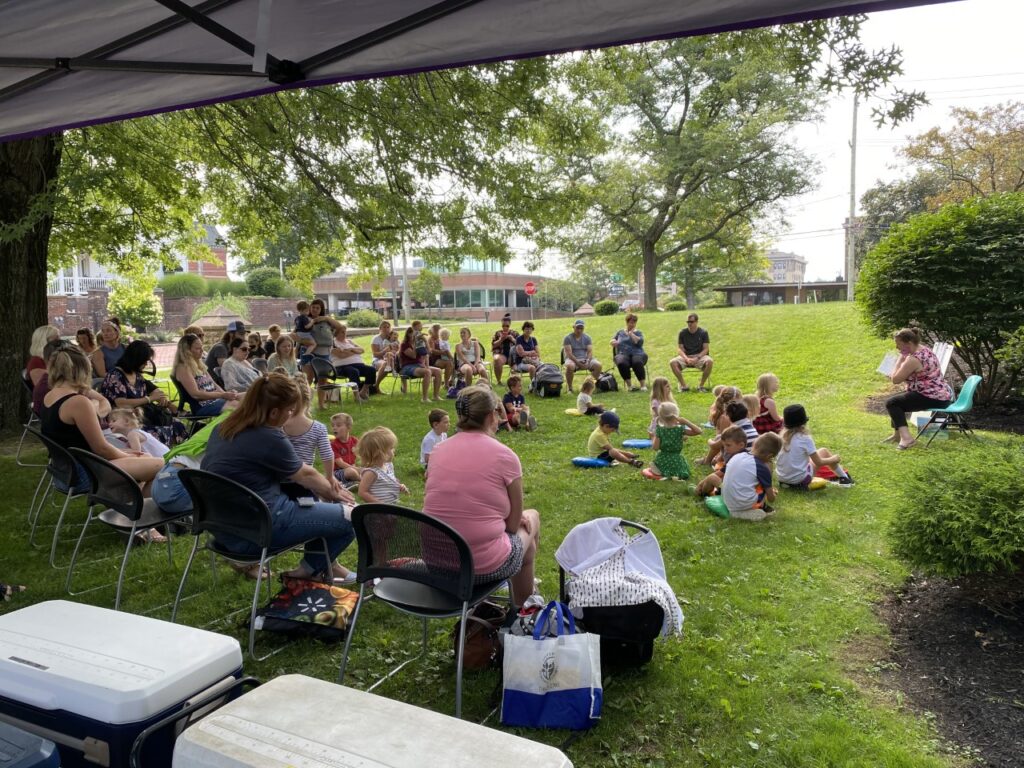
851 228
405 284
394 298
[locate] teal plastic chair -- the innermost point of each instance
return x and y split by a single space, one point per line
953 416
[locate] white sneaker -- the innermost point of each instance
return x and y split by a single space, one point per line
643 389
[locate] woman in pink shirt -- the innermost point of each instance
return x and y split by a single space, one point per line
485 508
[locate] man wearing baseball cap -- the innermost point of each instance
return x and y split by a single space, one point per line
578 354
600 447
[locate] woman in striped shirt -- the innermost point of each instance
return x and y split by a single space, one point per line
309 438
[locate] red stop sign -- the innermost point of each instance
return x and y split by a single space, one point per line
531 288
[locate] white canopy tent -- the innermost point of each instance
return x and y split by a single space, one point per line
70 63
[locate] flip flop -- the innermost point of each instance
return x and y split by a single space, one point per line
902 447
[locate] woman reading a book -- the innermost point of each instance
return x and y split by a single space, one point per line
918 367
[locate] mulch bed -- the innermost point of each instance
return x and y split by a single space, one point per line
964 662
1005 417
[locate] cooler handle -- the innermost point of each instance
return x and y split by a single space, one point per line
217 690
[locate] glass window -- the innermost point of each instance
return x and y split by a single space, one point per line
462 299
476 298
495 298
447 298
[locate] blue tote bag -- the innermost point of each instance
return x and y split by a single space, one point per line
552 682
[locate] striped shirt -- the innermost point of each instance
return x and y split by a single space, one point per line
751 431
313 440
385 486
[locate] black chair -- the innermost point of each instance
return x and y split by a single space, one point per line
223 507
260 364
61 468
326 377
216 376
423 567
125 510
187 401
32 421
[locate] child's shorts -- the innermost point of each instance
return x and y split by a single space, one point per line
604 456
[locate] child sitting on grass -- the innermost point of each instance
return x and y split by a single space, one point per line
734 441
600 447
376 452
668 442
736 415
343 448
747 485
661 392
799 460
767 419
517 412
585 400
439 422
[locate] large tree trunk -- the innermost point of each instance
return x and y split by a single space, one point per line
650 276
27 167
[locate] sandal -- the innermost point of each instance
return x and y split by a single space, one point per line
251 571
890 439
902 447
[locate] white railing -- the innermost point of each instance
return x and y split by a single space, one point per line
76 286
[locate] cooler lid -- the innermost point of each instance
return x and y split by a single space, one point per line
106 665
302 722
20 749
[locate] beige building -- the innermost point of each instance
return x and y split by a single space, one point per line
786 267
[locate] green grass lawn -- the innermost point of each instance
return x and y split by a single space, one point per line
779 663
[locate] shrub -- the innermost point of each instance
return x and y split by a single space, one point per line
606 307
362 318
265 281
962 513
958 275
675 306
134 301
183 284
225 287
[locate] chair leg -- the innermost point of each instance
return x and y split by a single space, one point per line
351 632
74 555
184 577
124 567
68 497
255 606
458 659
35 497
921 430
38 511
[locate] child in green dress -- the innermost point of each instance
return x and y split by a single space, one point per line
668 442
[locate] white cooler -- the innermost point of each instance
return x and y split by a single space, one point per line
300 722
91 679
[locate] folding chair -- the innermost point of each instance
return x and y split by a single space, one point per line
126 511
423 568
62 469
223 507
326 378
952 416
32 421
260 364
185 401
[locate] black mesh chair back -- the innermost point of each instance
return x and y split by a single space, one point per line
61 466
260 364
323 370
222 506
406 544
112 487
184 399
215 375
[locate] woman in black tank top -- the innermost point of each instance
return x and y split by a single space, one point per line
71 412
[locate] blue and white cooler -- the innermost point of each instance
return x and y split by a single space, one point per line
21 749
91 679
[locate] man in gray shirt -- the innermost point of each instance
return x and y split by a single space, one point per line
579 354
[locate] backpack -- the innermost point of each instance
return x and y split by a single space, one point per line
547 381
606 382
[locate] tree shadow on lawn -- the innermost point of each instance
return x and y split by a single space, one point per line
964 662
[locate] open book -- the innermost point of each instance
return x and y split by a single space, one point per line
888 364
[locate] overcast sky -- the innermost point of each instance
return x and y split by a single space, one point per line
965 53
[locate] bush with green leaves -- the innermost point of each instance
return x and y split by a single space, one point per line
134 302
235 304
1011 355
182 284
958 275
675 306
962 513
226 287
266 281
606 307
362 318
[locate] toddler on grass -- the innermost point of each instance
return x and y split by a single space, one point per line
600 447
747 485
585 400
668 442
